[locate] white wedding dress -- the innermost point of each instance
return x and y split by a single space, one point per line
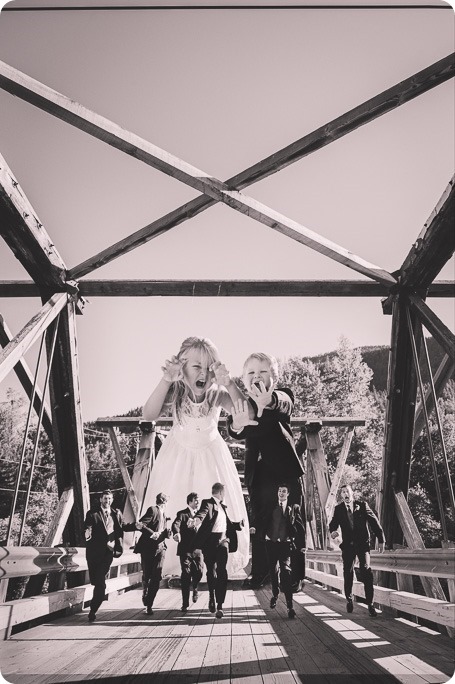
192 458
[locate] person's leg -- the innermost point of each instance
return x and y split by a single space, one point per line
209 552
222 554
273 566
185 577
98 579
366 575
146 564
197 568
348 556
259 563
155 576
284 551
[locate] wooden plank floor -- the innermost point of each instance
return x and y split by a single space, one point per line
252 643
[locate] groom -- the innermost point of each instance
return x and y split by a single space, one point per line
217 537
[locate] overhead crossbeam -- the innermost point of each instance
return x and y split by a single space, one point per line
224 288
434 246
386 101
26 236
66 109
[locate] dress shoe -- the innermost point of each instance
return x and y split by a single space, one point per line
372 610
149 610
350 606
273 601
219 612
184 609
291 613
212 605
91 616
195 595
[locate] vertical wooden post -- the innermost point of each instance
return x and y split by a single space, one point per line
319 467
399 427
68 427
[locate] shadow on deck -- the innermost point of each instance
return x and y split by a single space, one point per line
252 643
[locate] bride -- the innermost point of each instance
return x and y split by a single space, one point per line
194 455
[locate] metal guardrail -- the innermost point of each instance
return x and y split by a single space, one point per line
25 561
423 562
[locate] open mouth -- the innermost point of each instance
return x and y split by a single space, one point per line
200 384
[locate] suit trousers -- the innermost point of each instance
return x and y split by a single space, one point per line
216 555
263 496
348 555
192 568
279 557
152 572
98 572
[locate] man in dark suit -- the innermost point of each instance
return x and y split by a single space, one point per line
284 531
270 454
152 547
217 537
104 537
190 558
354 517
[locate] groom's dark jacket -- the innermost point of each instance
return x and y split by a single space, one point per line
208 514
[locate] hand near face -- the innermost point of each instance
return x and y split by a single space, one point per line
261 395
240 415
172 370
222 375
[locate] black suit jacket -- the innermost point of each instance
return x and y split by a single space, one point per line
145 543
272 439
295 527
100 540
364 518
187 534
208 514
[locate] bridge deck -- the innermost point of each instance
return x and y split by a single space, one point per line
252 643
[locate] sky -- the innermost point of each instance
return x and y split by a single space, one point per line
221 90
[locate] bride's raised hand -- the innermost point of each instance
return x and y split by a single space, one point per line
172 369
221 373
240 415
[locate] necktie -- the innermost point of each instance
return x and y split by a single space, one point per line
350 516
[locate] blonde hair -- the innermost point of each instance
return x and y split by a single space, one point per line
179 390
271 360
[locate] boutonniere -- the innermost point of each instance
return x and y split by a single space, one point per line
356 507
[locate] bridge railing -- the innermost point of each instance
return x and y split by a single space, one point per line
436 563
27 561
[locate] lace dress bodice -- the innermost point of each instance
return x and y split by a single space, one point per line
198 424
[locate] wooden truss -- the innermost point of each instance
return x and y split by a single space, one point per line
62 293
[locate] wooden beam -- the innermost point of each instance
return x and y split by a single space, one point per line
25 235
399 423
134 421
25 377
68 426
434 610
434 246
332 497
64 108
434 325
61 515
399 94
224 288
16 348
441 378
132 500
431 585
